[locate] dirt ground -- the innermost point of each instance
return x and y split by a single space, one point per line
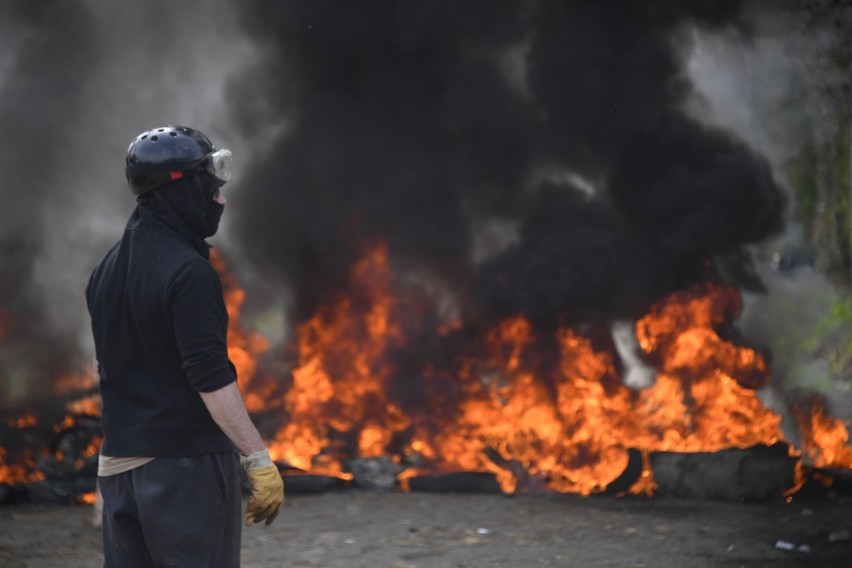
357 528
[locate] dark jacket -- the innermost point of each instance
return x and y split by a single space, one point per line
160 327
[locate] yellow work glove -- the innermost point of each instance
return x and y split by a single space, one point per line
267 488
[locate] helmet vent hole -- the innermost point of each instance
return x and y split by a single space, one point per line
172 134
154 138
143 137
161 130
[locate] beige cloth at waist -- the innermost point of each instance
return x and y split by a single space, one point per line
113 466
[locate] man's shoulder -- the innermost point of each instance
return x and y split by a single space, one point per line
181 263
182 258
158 254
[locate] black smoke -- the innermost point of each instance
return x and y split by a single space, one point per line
414 123
410 122
402 128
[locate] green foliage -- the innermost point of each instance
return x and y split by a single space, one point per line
832 338
814 346
820 173
820 178
801 171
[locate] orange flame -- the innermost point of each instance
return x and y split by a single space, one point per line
339 381
87 498
571 426
80 384
566 424
244 347
18 468
535 411
699 401
23 421
825 439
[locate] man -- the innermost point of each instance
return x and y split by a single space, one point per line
172 413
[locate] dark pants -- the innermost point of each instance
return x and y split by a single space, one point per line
174 512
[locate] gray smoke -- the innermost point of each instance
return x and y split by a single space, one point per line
79 79
40 129
783 90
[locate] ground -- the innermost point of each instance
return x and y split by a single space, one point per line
371 529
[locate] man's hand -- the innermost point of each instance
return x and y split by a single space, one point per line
267 488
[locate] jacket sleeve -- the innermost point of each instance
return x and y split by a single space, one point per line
200 323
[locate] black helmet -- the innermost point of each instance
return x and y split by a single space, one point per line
165 154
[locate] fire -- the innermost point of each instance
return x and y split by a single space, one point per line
704 397
566 423
75 382
27 420
536 409
80 390
19 467
25 465
682 333
516 417
825 439
340 378
87 498
244 347
571 426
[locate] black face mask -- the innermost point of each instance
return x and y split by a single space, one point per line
192 200
212 217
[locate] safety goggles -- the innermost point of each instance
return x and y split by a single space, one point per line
218 164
